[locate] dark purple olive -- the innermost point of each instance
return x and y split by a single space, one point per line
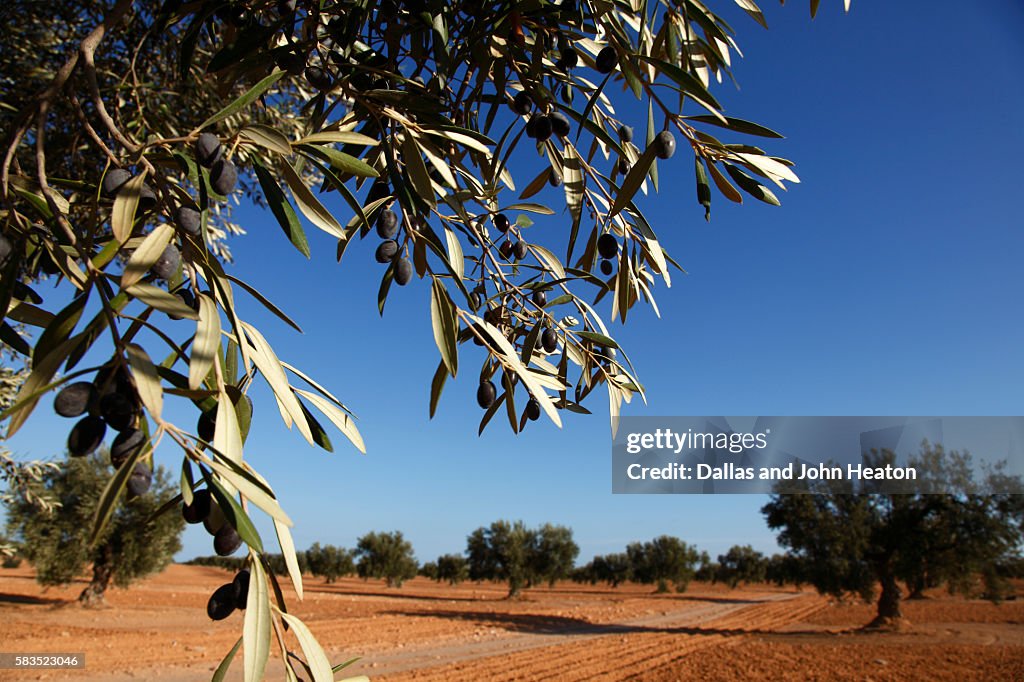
86 436
549 340
118 410
607 246
166 266
560 124
126 444
387 224
223 177
386 252
227 541
486 394
208 149
318 78
140 480
74 399
403 272
222 602
522 103
241 585
188 220
541 127
607 60
568 59
665 145
532 409
115 180
199 509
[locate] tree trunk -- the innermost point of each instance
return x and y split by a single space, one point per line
514 588
917 588
102 572
889 612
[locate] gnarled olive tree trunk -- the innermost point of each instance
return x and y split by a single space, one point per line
102 572
889 612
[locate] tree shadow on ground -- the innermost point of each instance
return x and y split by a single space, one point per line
390 593
714 600
8 598
545 624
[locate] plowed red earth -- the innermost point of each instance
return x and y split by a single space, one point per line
425 631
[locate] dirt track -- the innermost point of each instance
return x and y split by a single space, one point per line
427 631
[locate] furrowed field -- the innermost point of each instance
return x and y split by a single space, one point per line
432 631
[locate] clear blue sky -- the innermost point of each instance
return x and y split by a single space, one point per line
888 283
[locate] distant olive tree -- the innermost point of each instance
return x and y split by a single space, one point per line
741 564
452 568
662 561
851 536
613 569
329 562
137 541
552 555
386 555
519 555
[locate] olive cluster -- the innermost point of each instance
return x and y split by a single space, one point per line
230 596
388 250
112 185
209 153
608 249
204 509
109 400
541 126
509 249
487 393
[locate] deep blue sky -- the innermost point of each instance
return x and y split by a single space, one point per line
889 283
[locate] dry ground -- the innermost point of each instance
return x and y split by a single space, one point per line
425 631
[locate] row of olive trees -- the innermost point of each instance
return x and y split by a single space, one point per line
660 561
377 555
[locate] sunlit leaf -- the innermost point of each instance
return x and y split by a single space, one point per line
148 253
126 203
316 659
309 204
161 300
256 628
266 137
205 345
445 326
147 380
